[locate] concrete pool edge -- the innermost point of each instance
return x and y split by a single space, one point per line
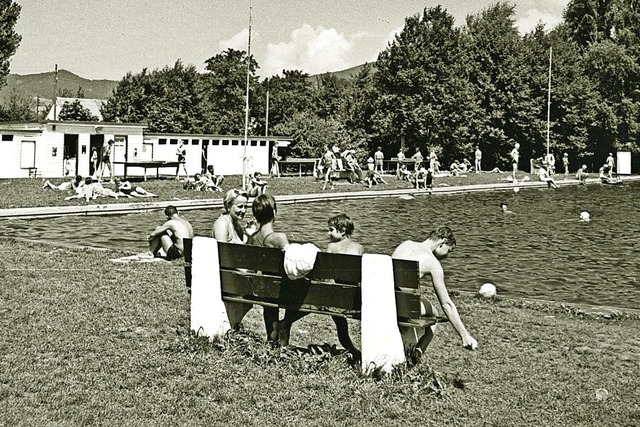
140 207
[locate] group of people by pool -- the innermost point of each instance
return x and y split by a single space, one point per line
167 241
90 189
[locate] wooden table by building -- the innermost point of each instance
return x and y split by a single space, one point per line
148 164
300 163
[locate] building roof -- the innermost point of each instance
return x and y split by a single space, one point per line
93 105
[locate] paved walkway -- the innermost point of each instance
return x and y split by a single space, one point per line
138 207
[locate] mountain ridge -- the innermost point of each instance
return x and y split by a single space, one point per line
41 84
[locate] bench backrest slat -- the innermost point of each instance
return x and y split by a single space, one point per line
239 264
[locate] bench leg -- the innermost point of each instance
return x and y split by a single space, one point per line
236 312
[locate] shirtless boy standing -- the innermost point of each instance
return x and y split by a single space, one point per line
167 239
428 254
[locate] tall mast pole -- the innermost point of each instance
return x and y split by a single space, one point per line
549 103
245 159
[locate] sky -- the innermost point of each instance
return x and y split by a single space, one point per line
105 39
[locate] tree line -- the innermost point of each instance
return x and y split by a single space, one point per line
437 86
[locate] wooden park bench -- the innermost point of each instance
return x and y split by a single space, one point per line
255 275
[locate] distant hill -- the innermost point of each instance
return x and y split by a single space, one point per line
32 85
41 85
349 73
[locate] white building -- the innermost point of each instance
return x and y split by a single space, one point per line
41 148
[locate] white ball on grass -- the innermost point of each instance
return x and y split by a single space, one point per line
487 290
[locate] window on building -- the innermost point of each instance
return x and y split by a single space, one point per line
7 137
263 143
173 141
215 142
195 142
235 142
162 141
254 143
225 142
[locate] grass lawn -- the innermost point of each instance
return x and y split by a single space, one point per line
90 342
29 193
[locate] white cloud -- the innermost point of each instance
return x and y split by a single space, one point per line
312 50
531 18
237 42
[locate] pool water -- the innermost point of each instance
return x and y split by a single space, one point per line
542 251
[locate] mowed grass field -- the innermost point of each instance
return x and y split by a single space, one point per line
27 192
86 341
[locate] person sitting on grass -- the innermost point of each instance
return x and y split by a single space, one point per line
544 176
258 185
455 168
419 178
582 175
124 188
86 191
429 254
373 178
606 177
167 240
197 182
217 180
403 174
64 186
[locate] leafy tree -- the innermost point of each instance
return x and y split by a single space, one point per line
498 72
424 96
18 108
290 94
74 111
223 91
167 99
309 132
9 39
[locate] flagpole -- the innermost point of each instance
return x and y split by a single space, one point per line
549 103
245 159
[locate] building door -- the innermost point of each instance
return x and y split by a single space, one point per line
70 155
95 141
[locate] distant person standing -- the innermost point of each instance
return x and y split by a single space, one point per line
105 160
378 158
328 160
401 159
515 157
610 163
565 164
275 161
551 163
181 152
478 161
417 159
94 161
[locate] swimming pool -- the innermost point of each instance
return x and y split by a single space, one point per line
542 251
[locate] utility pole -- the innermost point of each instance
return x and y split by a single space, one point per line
266 117
55 92
245 159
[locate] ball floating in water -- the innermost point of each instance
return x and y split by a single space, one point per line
487 290
584 216
516 189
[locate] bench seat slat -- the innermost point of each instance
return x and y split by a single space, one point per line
269 288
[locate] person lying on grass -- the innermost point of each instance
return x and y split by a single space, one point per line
429 254
125 189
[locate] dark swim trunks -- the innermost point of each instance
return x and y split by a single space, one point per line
173 253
